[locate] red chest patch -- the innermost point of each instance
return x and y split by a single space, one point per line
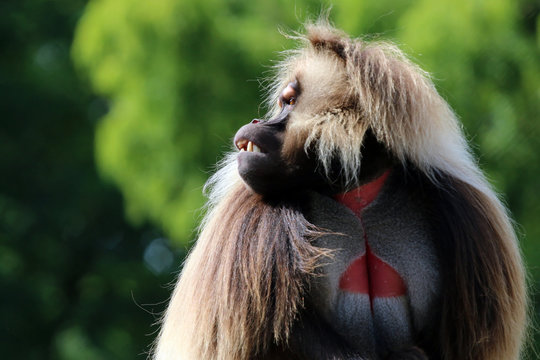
369 274
357 199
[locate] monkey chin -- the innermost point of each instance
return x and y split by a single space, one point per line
265 175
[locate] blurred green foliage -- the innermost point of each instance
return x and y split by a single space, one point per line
72 270
172 81
176 73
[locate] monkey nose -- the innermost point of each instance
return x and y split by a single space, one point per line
255 121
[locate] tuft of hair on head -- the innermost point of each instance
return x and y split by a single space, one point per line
322 36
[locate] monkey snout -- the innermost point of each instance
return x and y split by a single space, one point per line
255 137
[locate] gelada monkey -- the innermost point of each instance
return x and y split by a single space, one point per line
352 223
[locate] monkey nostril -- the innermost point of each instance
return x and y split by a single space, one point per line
255 121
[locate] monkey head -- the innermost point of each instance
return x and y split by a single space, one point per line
316 137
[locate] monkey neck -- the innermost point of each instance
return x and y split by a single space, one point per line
359 198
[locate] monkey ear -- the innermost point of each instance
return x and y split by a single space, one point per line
323 36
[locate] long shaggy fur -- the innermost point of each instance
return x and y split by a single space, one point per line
243 283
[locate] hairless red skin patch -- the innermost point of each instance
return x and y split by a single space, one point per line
368 274
357 199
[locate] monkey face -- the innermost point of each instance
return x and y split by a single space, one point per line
260 160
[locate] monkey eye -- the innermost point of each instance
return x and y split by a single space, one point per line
289 94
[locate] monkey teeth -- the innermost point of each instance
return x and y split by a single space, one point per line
245 145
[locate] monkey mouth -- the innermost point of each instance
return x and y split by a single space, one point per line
247 145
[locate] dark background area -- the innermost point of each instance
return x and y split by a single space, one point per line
73 281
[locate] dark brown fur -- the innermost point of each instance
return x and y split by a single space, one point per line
483 304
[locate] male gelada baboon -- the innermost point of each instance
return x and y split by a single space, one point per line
353 223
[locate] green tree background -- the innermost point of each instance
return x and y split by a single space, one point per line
114 112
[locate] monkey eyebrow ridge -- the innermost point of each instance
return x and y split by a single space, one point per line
289 93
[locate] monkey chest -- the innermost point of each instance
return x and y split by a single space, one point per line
380 288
